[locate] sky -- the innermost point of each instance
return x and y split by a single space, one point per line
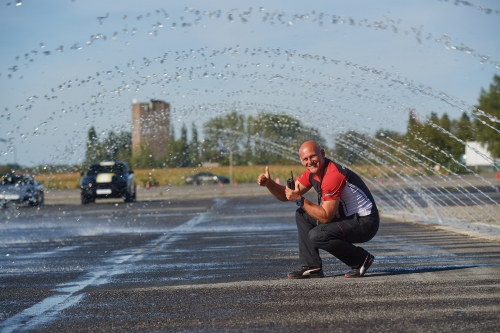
67 65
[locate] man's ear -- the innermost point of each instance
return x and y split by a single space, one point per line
323 152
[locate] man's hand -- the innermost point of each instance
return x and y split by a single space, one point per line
293 195
264 177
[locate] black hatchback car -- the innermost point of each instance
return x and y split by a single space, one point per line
108 180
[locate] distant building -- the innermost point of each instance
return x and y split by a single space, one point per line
477 155
151 127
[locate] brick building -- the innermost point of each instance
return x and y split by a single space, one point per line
151 127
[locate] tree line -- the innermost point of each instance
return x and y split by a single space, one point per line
269 138
427 143
262 139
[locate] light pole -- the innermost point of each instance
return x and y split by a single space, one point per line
13 147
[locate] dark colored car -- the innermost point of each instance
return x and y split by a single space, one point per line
206 178
108 180
20 189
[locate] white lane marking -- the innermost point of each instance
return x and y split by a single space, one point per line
49 308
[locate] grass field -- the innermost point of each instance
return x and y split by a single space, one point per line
176 176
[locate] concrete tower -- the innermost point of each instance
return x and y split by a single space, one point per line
151 127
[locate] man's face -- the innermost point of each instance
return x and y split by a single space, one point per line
312 159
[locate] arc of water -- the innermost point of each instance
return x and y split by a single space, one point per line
489 159
406 179
378 25
408 199
467 192
384 191
430 202
396 203
442 190
287 152
461 189
292 153
418 161
450 195
444 167
457 162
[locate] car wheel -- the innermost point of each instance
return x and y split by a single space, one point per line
33 201
86 199
38 200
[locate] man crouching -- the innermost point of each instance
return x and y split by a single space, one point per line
346 213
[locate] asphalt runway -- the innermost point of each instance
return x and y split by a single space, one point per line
220 264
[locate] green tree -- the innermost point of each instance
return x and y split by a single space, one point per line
170 159
178 152
351 147
124 146
436 141
94 149
413 132
433 140
114 147
489 102
264 139
184 152
463 129
385 143
223 136
117 146
144 159
194 147
278 137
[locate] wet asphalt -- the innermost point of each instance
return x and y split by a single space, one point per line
220 264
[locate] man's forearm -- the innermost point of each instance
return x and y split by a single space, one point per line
320 213
276 189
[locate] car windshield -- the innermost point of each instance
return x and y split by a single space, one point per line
14 179
116 168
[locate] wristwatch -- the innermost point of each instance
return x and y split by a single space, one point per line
300 202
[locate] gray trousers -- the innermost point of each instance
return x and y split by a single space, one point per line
336 237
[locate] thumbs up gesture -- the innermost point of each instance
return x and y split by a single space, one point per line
264 177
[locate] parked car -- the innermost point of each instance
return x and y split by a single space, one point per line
108 180
20 189
206 178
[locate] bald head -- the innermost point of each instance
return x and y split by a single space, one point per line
312 156
310 146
